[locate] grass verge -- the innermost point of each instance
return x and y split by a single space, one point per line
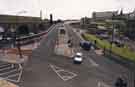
124 52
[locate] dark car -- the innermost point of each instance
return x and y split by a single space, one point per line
86 45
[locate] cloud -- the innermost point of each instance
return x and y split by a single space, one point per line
64 8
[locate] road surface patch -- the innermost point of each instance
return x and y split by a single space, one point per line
63 74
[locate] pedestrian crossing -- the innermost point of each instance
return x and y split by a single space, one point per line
10 72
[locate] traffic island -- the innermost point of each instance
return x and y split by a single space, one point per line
64 50
62 46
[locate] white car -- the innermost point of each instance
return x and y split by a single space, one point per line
78 58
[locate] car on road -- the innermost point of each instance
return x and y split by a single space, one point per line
78 59
86 45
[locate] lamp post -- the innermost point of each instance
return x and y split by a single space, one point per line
112 37
17 36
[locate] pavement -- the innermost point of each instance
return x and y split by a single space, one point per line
4 83
46 69
11 55
11 65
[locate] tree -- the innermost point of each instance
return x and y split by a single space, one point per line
23 30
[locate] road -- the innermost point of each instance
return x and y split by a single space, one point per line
45 69
106 68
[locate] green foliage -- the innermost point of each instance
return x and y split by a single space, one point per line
123 52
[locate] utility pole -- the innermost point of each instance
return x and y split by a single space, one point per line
112 38
17 36
51 19
41 14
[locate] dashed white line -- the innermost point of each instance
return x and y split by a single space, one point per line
93 63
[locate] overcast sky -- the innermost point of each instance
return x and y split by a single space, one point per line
65 9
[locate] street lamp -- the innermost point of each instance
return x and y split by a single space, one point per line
112 37
114 22
17 36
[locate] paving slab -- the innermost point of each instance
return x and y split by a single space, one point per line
4 83
13 58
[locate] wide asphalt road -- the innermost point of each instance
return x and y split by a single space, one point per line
109 70
45 69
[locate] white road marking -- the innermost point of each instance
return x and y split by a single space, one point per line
20 66
8 72
19 78
5 68
4 65
51 29
102 84
93 63
19 74
12 75
59 70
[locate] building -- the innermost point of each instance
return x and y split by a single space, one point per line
10 23
18 19
132 15
104 15
130 31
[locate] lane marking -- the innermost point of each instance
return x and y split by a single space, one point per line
20 75
13 75
51 29
4 65
60 72
93 63
17 75
102 84
9 67
8 72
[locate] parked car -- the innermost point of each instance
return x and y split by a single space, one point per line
78 58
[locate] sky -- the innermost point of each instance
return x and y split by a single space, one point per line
63 9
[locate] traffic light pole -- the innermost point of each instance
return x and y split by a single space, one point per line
112 39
